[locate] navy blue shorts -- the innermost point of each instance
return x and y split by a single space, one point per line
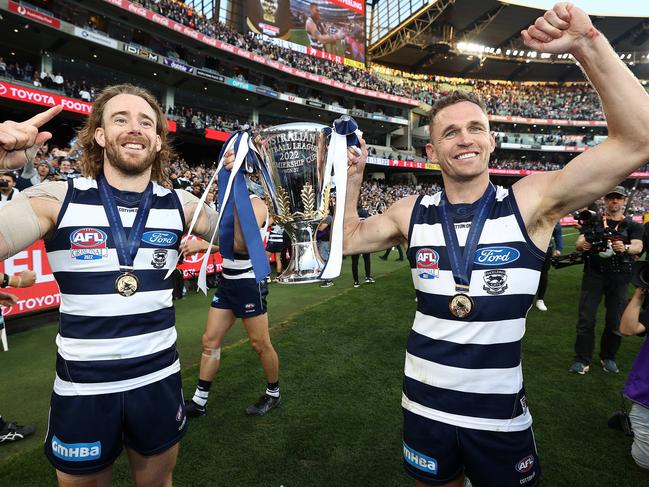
437 453
244 297
86 433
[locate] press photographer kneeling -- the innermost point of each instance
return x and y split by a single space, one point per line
610 243
635 321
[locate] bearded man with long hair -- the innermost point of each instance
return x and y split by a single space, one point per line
111 235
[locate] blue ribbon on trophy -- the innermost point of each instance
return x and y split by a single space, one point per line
247 221
246 160
344 134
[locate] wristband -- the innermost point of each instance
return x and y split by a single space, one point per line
5 280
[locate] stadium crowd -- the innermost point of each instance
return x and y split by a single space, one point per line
188 117
55 163
26 73
533 100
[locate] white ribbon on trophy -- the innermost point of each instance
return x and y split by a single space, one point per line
337 162
245 145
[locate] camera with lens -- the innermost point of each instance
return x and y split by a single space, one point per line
595 233
640 274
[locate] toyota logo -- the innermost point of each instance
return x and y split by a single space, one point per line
3 89
22 10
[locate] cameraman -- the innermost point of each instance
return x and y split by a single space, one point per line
635 321
609 243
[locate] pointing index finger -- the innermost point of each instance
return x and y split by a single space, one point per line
42 118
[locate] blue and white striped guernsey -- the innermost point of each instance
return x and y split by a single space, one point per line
241 266
106 342
467 372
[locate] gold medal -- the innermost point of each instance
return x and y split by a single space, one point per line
126 284
460 305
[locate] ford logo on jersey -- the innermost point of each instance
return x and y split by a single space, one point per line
496 256
88 238
159 238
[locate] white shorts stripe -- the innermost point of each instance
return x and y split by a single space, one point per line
65 388
518 423
116 348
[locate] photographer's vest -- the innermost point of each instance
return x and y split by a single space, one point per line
618 263
107 342
467 372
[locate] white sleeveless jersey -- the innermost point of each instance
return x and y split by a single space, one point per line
107 342
467 372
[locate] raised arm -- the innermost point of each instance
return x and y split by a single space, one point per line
379 231
25 219
543 198
19 141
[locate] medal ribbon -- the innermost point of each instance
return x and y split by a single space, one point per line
126 247
462 262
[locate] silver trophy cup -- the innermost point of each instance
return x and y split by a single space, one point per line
295 155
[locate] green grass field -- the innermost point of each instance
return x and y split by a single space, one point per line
341 351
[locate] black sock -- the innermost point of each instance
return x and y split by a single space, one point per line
272 389
204 385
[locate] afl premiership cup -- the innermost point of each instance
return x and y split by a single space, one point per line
297 191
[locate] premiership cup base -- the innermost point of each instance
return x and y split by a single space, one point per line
305 265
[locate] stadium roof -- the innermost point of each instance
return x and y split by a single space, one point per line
481 39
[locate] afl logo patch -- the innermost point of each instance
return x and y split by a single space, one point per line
427 261
526 464
88 244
